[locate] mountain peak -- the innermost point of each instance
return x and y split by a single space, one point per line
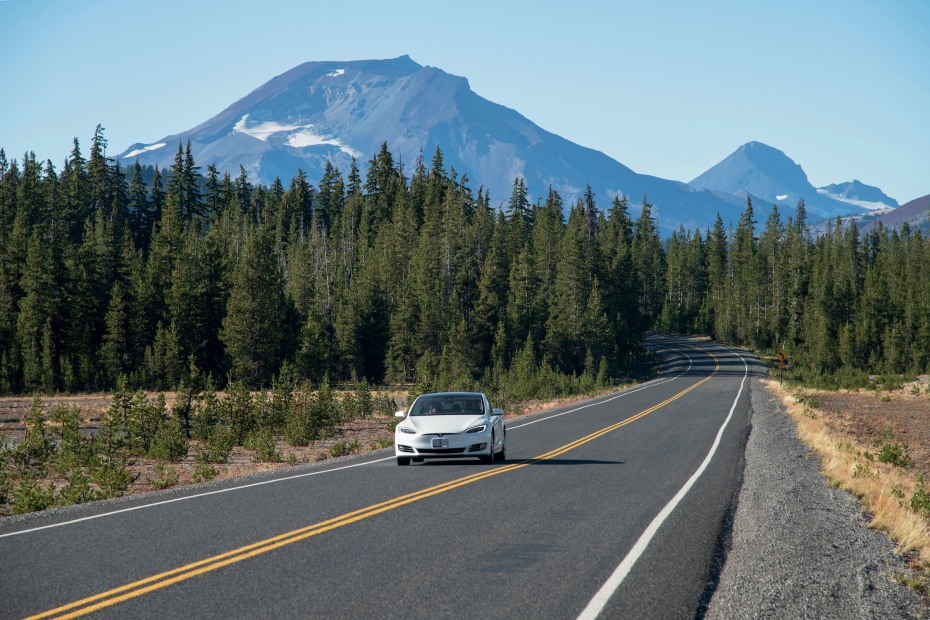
764 172
760 170
858 193
333 111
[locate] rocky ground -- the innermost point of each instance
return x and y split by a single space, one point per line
869 415
799 547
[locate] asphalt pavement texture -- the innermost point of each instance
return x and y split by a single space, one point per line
536 536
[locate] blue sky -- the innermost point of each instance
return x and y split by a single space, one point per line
668 88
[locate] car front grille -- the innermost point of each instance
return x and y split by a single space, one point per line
442 450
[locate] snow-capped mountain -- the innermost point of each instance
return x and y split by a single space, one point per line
857 193
335 111
770 176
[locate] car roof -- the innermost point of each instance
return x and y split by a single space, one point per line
453 394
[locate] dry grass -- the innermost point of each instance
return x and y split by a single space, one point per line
884 489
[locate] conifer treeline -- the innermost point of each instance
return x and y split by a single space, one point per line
842 305
389 278
399 279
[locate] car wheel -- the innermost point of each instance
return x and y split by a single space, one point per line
403 460
488 458
502 455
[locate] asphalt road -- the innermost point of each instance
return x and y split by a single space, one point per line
611 508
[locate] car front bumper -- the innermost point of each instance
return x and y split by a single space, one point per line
446 446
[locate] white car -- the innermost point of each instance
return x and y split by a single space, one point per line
450 425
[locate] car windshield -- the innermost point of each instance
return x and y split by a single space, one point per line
448 404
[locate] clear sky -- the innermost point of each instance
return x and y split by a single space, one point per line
668 88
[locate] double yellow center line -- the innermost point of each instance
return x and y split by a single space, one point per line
162 580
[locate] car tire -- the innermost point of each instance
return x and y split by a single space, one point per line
403 460
502 455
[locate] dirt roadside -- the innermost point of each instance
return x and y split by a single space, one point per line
359 435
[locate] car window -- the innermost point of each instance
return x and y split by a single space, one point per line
439 404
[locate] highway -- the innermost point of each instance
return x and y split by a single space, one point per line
610 508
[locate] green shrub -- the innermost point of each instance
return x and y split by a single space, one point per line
29 496
77 490
238 412
297 431
324 411
381 442
31 456
205 412
72 449
167 477
385 405
344 448
204 472
218 447
145 417
169 443
113 477
364 402
920 500
892 452
262 442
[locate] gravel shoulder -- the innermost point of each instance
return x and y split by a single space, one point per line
800 548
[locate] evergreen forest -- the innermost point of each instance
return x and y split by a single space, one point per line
145 278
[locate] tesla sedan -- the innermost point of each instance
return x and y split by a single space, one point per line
450 425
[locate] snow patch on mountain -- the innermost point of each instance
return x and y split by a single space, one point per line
307 137
336 73
781 197
144 149
297 136
265 130
865 204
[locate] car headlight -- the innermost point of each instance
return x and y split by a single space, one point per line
478 429
407 429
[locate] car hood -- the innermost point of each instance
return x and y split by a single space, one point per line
444 423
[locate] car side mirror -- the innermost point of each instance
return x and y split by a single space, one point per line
400 414
497 412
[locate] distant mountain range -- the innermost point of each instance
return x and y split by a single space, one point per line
338 110
859 194
769 176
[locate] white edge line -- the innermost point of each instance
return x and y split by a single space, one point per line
187 497
600 600
314 473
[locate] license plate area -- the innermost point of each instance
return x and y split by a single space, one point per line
440 442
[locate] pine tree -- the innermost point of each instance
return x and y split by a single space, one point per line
256 311
158 198
35 311
115 349
563 346
140 208
649 263
191 204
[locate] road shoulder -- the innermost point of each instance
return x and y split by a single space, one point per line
799 547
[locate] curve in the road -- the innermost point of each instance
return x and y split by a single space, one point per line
600 600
